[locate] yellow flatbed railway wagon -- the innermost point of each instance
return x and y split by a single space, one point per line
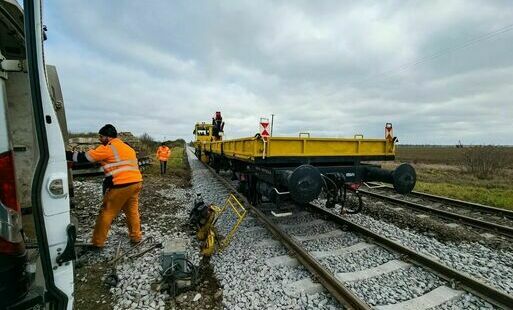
283 150
274 168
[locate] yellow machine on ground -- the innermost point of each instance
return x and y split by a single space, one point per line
206 218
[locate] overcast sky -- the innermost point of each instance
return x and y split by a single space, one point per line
440 71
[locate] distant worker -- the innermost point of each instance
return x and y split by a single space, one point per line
121 187
163 153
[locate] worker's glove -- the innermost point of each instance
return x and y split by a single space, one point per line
69 155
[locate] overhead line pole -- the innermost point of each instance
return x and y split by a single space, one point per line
272 123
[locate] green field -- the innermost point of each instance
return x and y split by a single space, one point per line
176 165
430 155
442 171
448 155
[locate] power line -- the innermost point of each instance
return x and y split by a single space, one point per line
439 53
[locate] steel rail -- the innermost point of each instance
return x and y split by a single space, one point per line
455 277
336 288
467 220
465 281
456 202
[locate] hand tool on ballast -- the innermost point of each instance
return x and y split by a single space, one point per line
112 279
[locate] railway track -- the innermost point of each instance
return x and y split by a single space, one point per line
494 220
400 259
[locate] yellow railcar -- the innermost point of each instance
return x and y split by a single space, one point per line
279 149
302 167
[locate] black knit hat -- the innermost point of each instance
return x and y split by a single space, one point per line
108 131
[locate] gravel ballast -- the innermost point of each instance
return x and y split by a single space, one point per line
396 286
249 283
493 266
164 205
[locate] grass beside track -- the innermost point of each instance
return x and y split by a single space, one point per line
177 164
446 155
440 172
496 197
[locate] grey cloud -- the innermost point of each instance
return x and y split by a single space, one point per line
334 68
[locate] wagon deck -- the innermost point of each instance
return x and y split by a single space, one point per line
303 149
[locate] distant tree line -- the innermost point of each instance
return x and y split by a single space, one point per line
149 141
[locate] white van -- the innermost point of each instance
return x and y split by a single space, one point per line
36 237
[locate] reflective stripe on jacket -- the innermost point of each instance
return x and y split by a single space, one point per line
163 153
118 160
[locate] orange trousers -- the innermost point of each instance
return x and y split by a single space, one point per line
124 199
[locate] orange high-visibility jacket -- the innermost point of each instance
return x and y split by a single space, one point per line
118 160
163 153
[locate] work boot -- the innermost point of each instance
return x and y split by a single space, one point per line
89 248
94 248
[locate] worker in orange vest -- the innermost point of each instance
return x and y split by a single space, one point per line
122 184
163 153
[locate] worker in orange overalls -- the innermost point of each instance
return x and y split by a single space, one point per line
122 184
163 153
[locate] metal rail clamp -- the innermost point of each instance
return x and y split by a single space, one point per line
373 185
234 206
